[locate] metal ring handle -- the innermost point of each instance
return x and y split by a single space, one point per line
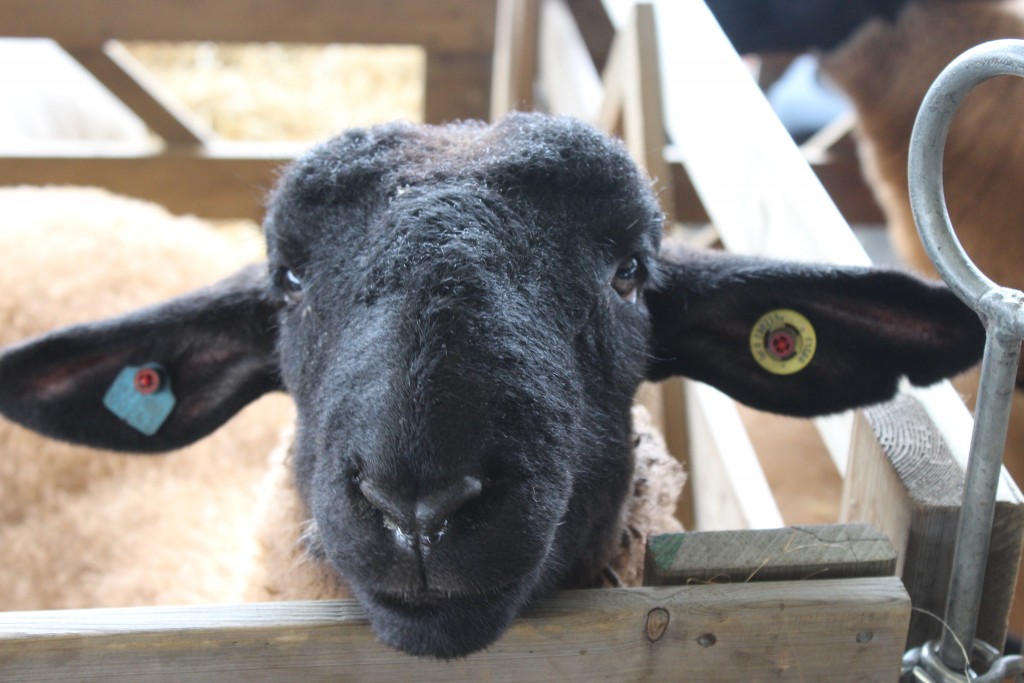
927 142
1001 309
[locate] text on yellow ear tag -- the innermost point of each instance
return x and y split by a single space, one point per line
783 341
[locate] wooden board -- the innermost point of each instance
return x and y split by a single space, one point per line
753 180
797 553
632 102
444 25
904 480
193 177
114 67
748 632
225 181
458 86
595 27
515 56
732 492
567 80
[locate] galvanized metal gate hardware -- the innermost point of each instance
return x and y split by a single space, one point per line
1002 311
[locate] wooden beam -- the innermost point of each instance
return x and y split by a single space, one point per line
632 105
515 56
455 26
127 79
904 480
841 179
755 631
763 198
796 553
731 491
751 178
676 430
567 81
458 86
595 27
228 181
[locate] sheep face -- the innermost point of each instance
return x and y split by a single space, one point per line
462 315
490 326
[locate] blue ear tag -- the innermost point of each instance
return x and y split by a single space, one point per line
141 396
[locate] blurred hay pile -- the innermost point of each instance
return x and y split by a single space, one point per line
289 92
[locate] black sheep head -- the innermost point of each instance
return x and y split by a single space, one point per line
477 289
463 315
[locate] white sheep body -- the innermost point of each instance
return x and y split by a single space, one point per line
49 96
86 528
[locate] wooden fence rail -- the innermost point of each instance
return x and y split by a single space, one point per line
684 102
709 630
190 172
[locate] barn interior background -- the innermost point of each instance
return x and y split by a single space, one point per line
242 108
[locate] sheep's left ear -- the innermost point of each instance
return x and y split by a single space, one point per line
152 380
804 339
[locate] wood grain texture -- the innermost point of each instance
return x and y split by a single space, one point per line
458 86
228 181
632 80
731 491
515 56
904 480
797 553
446 25
749 632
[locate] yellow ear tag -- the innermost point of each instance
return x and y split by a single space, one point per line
783 341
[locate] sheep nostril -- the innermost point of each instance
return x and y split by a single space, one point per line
380 500
433 510
428 516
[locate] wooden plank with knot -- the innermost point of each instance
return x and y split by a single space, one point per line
795 553
834 630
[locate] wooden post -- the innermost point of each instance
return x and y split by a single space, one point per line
903 479
596 28
457 86
732 490
632 105
515 56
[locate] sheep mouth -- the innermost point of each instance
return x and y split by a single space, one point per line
430 598
444 626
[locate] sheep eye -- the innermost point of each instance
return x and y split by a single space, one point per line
289 283
627 279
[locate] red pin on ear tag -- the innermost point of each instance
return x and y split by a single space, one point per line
142 397
147 380
783 342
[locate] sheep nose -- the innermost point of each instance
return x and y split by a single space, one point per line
433 509
429 512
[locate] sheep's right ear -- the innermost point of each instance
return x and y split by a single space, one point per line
178 369
803 339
